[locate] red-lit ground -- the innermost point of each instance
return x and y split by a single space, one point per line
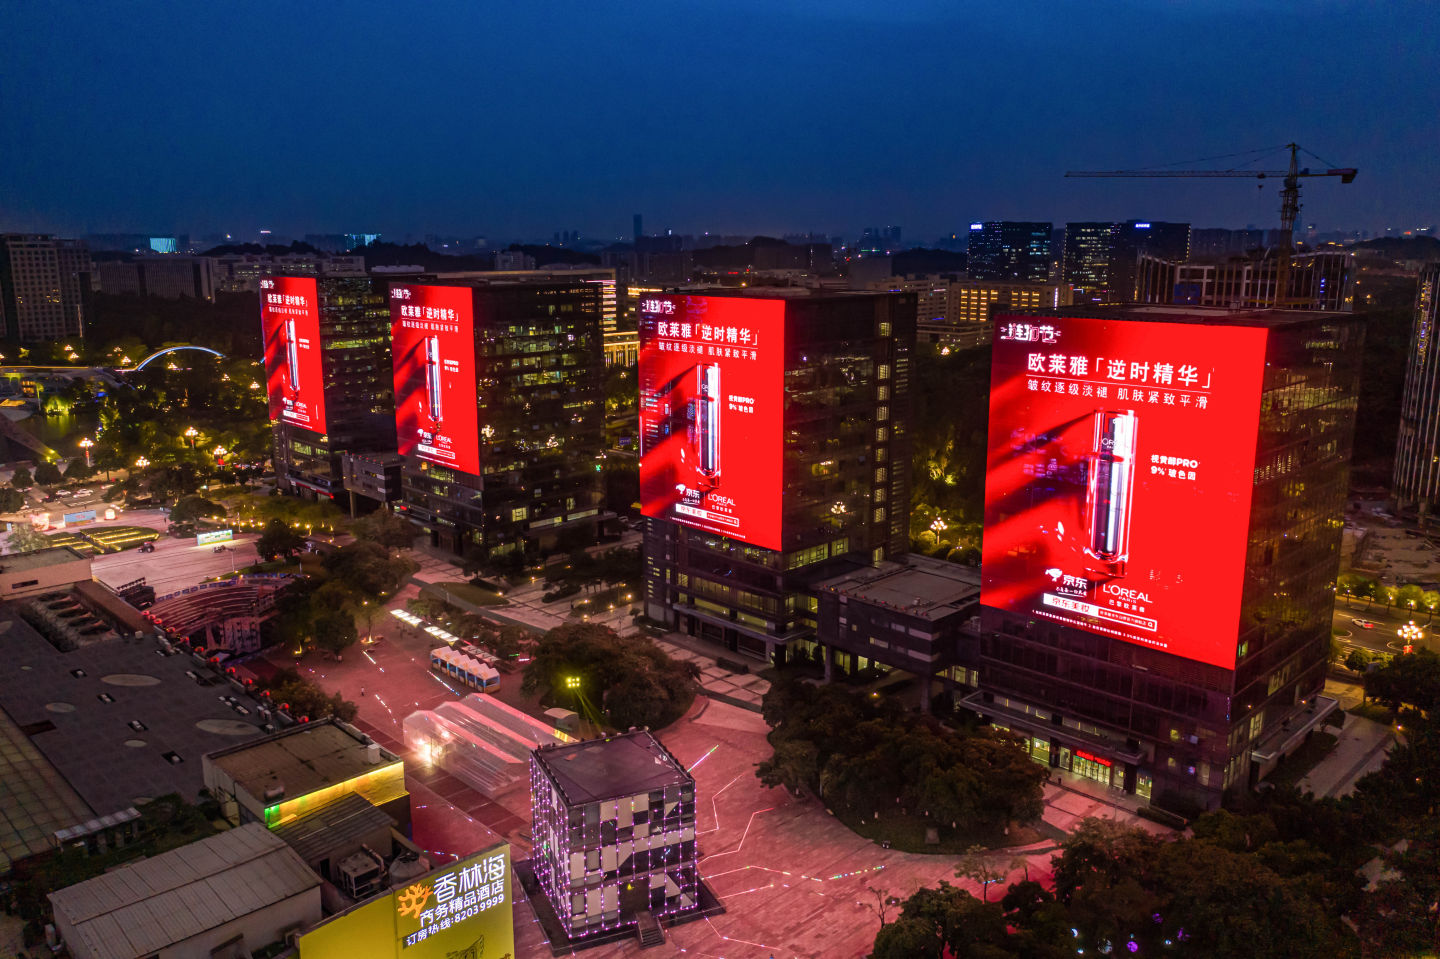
795 882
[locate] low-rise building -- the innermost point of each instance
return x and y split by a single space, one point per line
224 897
912 614
278 778
614 834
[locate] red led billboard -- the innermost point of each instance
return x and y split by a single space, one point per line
712 394
432 330
1120 463
290 323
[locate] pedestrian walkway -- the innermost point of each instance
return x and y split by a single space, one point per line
1362 748
739 689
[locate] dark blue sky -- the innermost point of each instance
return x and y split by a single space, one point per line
743 116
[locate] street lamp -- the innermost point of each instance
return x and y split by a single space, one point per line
219 451
1410 634
141 463
85 445
190 434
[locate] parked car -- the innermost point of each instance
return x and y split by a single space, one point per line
1364 623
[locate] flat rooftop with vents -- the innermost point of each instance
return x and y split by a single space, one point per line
300 769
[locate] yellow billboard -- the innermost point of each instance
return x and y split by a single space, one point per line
460 911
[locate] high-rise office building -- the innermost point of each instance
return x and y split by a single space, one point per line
499 411
1156 597
327 364
1085 262
45 285
775 450
163 277
1010 250
1134 238
1100 259
1417 449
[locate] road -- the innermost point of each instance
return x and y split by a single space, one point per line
1381 639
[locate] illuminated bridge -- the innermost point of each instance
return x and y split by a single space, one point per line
171 349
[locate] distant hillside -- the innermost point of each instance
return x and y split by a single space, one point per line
927 261
418 254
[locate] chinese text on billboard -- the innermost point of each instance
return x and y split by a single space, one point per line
711 413
433 339
290 323
1117 493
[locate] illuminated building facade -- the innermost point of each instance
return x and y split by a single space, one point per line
298 770
1174 658
354 385
840 490
614 827
45 287
1100 258
1012 250
1417 451
526 464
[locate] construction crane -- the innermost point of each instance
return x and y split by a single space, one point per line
1289 194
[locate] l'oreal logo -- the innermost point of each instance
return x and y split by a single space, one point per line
1124 592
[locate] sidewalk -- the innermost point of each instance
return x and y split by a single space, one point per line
1362 748
738 689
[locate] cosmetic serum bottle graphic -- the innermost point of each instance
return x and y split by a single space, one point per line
432 378
292 358
1108 496
707 422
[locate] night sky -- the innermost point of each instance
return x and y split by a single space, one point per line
734 116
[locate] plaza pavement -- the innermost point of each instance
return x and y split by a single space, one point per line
1362 748
795 882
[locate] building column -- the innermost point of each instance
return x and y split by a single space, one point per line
829 662
925 680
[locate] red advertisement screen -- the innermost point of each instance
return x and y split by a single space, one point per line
1120 464
432 331
290 323
712 394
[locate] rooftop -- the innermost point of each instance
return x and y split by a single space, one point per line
1175 313
40 558
119 720
145 907
302 759
919 586
622 765
336 826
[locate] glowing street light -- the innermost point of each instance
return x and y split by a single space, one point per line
142 462
219 451
939 526
85 445
190 434
1410 634
572 682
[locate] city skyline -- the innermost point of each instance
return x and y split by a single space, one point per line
742 120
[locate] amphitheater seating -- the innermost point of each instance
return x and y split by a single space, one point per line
200 613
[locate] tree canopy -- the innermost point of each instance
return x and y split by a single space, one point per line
627 680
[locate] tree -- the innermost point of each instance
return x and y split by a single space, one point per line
367 569
191 508
335 632
11 500
77 469
47 473
1357 660
23 538
976 866
279 540
21 478
386 528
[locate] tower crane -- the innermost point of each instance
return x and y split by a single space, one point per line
1289 195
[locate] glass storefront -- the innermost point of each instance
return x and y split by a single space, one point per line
1091 767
